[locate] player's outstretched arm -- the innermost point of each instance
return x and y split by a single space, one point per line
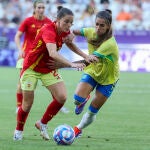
59 60
53 64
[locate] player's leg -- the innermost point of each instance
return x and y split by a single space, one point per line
56 87
82 93
19 95
28 84
101 95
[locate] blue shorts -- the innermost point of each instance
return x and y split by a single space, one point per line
106 90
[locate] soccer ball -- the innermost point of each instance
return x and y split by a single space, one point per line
64 135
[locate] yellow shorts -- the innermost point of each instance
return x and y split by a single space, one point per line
30 78
19 64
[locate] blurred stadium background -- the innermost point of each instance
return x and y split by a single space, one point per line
131 26
124 122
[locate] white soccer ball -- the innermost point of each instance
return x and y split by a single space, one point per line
64 135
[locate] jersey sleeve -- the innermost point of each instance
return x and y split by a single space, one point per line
23 25
85 32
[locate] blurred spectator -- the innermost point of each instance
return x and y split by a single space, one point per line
127 14
4 40
122 19
105 4
87 17
124 16
1 11
145 5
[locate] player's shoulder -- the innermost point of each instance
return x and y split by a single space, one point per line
29 18
111 40
88 30
48 19
48 28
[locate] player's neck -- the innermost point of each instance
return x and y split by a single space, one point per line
39 17
58 29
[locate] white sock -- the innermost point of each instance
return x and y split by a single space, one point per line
86 120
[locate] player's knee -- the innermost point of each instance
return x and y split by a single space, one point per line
61 98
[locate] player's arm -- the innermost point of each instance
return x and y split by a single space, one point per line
76 50
52 50
18 36
69 38
52 64
77 32
88 58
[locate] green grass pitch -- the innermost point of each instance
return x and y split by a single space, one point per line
123 123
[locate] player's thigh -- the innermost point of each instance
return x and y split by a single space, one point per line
29 80
86 85
51 78
55 84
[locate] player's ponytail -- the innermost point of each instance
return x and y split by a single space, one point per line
59 8
109 11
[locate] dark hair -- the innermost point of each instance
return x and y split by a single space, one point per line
59 8
104 1
107 16
63 12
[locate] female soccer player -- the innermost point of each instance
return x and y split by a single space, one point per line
45 46
29 28
101 76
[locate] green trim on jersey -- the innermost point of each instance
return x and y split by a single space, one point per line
106 71
82 32
103 56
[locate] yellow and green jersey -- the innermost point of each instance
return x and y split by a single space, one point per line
106 71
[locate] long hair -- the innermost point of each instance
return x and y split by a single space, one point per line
107 16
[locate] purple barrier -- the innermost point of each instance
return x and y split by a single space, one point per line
128 37
132 37
135 58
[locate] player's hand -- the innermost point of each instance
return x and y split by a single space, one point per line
21 54
91 59
52 64
69 38
79 66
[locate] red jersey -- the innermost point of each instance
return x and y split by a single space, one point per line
38 55
30 27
